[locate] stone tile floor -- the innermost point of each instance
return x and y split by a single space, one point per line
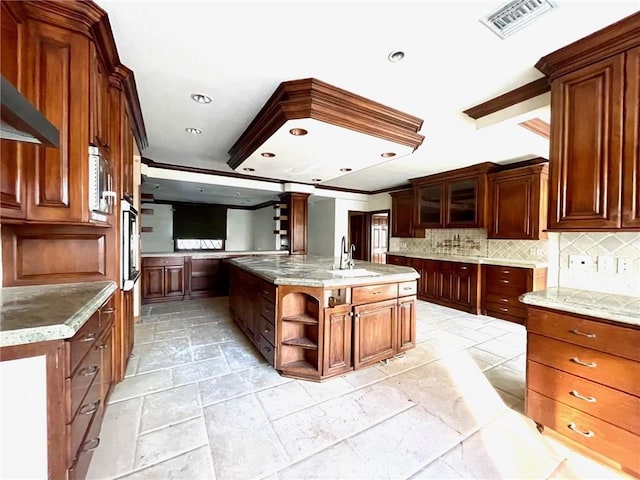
200 402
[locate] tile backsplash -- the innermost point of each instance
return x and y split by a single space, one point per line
471 242
596 248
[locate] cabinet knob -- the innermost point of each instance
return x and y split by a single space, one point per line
588 433
575 331
584 364
582 397
89 337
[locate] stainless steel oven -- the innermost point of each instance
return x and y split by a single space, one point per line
130 242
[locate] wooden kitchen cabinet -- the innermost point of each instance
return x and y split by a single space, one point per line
583 378
502 287
163 279
402 215
518 203
337 340
594 150
99 104
396 260
296 225
375 332
454 199
406 337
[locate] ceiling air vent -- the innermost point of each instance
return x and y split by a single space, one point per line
516 15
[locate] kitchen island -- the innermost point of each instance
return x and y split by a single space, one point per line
313 321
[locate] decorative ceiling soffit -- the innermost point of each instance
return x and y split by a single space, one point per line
346 119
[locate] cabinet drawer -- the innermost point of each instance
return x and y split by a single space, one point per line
602 437
267 309
267 349
87 373
407 288
614 339
506 309
374 293
504 299
83 340
268 290
506 277
80 464
268 330
613 406
396 260
162 261
77 429
615 372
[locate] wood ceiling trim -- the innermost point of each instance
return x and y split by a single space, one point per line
312 98
611 40
537 125
512 97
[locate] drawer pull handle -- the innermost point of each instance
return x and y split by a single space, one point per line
464 268
582 397
103 346
584 364
267 349
109 310
588 433
376 293
504 281
92 370
578 332
407 288
89 408
89 337
90 444
266 330
504 300
503 309
506 272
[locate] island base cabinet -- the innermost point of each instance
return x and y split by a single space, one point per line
374 332
406 323
337 340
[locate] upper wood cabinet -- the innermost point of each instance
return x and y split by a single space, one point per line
297 206
402 215
594 130
454 199
62 57
518 203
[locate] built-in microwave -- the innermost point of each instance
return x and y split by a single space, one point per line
130 241
101 194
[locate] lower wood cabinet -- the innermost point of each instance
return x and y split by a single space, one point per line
583 382
375 332
163 279
338 339
502 286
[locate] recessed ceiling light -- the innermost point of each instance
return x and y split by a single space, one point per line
268 154
193 130
298 132
387 154
345 169
249 169
201 98
316 180
396 56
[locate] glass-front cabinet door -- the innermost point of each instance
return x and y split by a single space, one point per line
430 205
462 203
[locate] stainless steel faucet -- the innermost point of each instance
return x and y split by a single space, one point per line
346 255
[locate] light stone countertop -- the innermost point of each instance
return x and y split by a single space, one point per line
315 271
607 306
48 312
214 254
504 262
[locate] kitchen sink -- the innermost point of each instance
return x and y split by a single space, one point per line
356 272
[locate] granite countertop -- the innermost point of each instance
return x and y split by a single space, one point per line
214 254
504 262
314 271
607 306
48 312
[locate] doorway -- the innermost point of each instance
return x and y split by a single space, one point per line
369 232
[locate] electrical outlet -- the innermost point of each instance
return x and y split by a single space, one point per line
579 262
606 263
624 264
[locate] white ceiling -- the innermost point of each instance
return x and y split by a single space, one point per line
239 51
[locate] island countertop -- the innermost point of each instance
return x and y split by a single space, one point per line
48 312
618 308
316 271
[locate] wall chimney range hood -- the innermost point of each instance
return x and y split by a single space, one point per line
21 121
